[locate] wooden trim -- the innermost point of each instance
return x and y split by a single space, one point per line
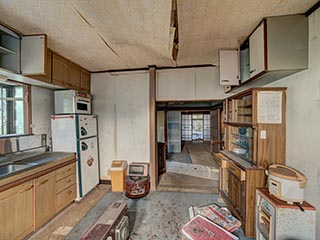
157 68
33 176
312 9
152 127
248 91
27 109
239 124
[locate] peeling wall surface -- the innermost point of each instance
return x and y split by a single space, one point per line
121 101
303 117
42 109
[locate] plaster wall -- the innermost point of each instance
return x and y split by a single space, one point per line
303 118
121 101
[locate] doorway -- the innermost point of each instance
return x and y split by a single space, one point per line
197 127
184 153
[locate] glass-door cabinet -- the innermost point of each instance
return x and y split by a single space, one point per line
254 121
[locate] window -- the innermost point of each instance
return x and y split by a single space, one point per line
14 109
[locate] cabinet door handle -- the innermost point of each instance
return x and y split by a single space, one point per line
43 182
224 80
27 189
253 70
70 192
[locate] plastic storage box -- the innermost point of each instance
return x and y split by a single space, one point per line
118 174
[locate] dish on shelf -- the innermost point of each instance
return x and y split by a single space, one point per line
239 150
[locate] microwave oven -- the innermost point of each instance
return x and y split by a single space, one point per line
72 102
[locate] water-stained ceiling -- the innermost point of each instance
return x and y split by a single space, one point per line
121 34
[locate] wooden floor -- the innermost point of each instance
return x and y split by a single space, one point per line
62 224
189 180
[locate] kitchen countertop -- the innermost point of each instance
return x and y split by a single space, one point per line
28 163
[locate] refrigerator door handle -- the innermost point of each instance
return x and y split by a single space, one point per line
84 146
83 131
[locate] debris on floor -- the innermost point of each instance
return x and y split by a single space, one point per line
200 228
218 215
210 222
64 231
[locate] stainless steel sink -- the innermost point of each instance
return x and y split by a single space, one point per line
10 168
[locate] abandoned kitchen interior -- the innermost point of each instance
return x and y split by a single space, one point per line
159 119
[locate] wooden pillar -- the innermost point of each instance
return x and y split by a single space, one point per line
152 125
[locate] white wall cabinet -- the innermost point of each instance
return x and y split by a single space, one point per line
274 52
25 55
229 67
189 84
257 47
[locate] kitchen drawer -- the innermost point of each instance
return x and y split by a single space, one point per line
235 170
66 182
220 159
65 171
66 196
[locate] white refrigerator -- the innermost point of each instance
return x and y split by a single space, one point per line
78 133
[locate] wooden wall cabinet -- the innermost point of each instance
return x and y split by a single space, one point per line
255 123
44 198
16 208
74 76
85 81
60 70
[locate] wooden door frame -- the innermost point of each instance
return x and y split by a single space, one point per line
152 128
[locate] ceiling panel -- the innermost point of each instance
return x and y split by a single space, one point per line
120 34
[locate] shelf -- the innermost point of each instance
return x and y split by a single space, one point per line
246 106
240 135
240 124
240 145
6 51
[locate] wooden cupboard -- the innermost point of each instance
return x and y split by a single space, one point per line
85 80
255 126
64 73
44 198
66 186
16 208
25 207
74 76
60 70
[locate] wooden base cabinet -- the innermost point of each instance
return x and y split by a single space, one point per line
44 198
27 206
239 195
66 186
16 208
